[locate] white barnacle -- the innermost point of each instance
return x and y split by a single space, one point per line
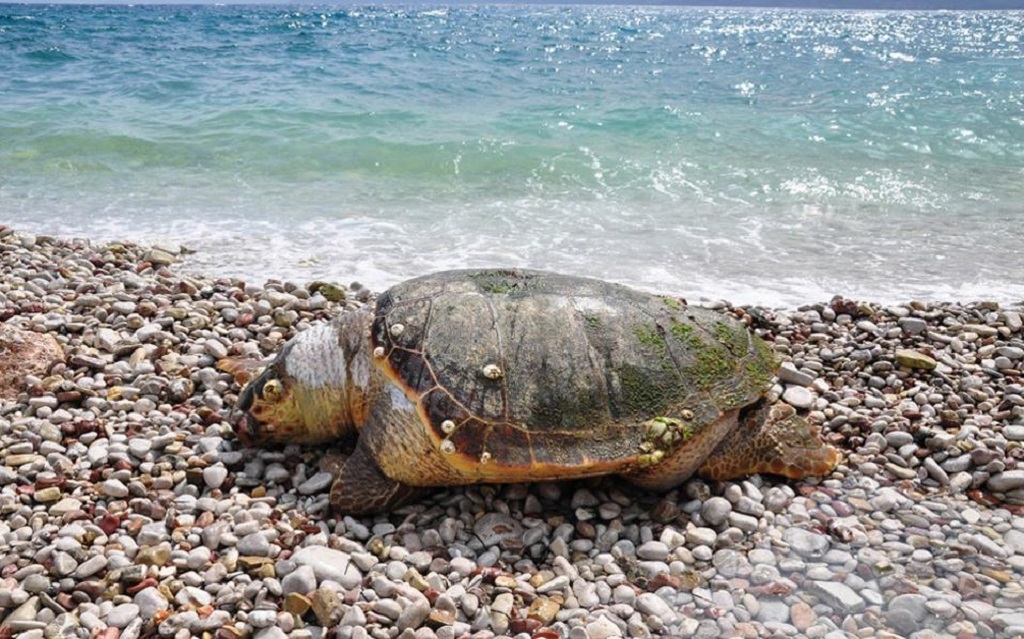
492 371
378 352
485 457
448 446
687 414
447 427
397 329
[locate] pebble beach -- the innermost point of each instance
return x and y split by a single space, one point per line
128 509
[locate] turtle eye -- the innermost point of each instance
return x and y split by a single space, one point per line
272 390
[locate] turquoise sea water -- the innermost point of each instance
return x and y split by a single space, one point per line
759 156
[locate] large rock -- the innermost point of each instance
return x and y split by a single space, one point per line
328 563
24 353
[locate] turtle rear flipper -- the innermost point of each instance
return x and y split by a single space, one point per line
771 439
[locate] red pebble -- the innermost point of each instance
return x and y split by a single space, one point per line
148 582
527 625
109 522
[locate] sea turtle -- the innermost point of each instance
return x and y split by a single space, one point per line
493 376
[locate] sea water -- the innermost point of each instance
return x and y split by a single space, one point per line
761 156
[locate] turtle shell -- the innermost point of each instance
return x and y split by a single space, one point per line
521 374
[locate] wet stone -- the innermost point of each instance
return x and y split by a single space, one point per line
806 543
839 596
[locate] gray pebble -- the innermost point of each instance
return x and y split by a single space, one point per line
301 580
716 510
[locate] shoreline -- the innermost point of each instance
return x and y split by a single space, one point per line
129 509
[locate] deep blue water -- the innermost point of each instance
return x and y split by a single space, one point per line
769 156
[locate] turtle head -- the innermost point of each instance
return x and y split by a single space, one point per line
301 397
270 410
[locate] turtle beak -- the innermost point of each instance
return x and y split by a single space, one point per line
247 427
247 430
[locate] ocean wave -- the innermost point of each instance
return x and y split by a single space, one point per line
740 154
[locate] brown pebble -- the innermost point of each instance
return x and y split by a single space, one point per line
438 618
153 555
527 625
801 615
230 632
999 575
297 603
326 606
65 600
663 579
543 609
505 581
205 518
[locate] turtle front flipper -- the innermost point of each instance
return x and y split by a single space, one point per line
362 488
771 439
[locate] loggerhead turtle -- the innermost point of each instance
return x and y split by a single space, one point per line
495 376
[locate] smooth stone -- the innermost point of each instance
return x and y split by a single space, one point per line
802 616
316 484
494 528
1014 432
650 603
414 614
262 618
905 612
1006 481
915 360
839 596
554 585
715 510
214 476
1013 619
788 374
150 601
773 610
653 550
65 506
328 563
254 545
698 536
301 580
806 543
122 615
1014 539
114 488
798 397
139 447
90 567
603 628
912 325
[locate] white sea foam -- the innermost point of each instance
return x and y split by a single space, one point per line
756 156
